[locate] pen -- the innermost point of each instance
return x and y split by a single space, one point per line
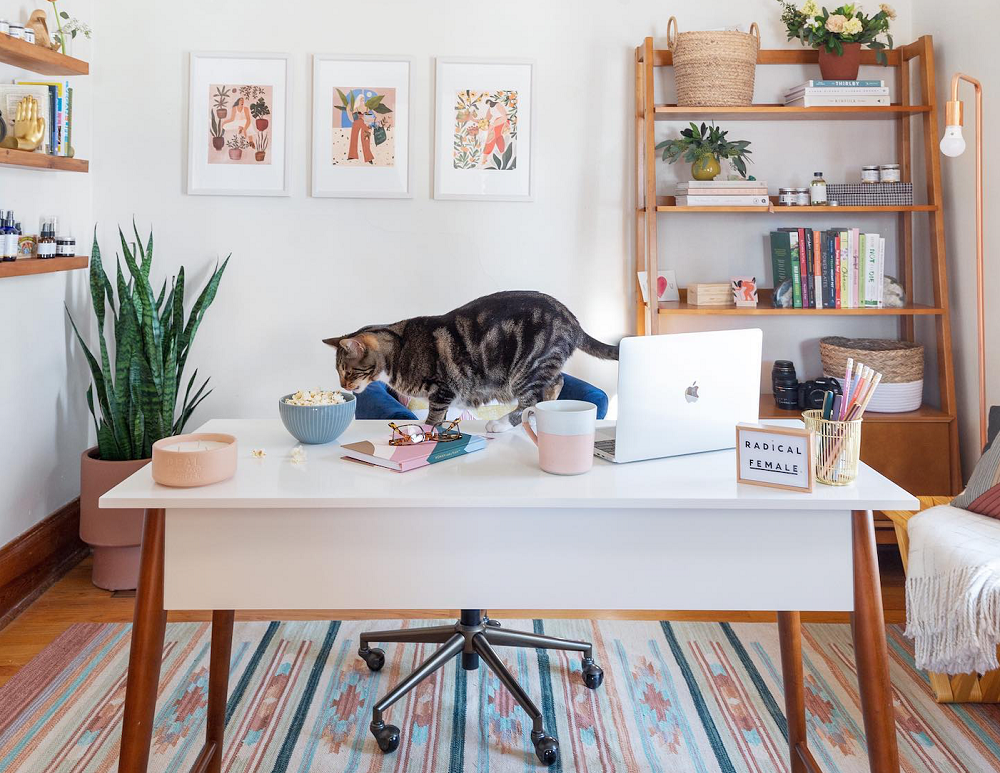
847 388
827 405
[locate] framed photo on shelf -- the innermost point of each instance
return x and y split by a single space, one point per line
361 126
483 129
238 124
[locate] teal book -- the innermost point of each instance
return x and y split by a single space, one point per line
781 260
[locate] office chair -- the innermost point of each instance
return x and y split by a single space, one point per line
473 636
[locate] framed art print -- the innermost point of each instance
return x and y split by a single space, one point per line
482 137
238 124
361 126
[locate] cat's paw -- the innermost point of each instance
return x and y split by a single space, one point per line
499 425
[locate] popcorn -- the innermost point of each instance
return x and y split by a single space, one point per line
258 453
312 397
298 455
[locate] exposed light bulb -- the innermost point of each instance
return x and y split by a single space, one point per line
952 143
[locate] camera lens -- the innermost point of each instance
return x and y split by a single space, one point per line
787 397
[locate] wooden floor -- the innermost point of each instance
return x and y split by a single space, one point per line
75 600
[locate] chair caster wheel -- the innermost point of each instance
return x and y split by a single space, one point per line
375 658
593 675
387 737
547 750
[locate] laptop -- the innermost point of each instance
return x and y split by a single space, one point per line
683 393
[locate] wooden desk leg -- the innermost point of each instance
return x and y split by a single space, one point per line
218 685
790 638
146 653
871 655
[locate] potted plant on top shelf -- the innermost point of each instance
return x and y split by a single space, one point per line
136 395
839 35
704 147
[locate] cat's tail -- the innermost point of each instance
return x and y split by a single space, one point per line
598 349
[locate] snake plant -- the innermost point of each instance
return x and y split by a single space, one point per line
137 393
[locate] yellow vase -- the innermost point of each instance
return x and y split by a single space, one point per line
706 168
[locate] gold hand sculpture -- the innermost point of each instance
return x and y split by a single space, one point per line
29 126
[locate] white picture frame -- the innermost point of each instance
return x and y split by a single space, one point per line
468 131
670 290
775 456
334 172
248 173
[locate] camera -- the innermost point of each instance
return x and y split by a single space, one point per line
811 393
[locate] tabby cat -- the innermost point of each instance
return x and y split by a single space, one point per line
509 347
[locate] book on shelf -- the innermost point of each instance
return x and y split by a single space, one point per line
691 184
747 191
409 457
58 115
834 84
837 268
860 91
723 201
839 101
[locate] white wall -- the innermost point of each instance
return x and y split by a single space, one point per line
43 413
957 49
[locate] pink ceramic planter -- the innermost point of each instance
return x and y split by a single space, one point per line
114 535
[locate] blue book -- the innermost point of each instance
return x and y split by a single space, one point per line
869 84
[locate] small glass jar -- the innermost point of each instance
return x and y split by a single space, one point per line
16 31
870 174
28 35
802 198
787 197
4 27
65 247
889 173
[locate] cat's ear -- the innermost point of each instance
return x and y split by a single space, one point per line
354 348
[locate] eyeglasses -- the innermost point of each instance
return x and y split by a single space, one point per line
411 434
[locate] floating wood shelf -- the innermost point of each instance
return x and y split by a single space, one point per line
39 59
764 308
770 410
29 160
783 113
666 204
30 266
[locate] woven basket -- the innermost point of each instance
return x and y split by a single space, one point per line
899 362
714 68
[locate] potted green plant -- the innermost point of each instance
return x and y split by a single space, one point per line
237 144
704 147
221 101
259 110
261 147
218 133
839 35
135 394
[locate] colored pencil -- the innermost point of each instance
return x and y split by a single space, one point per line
847 387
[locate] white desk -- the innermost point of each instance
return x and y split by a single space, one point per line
666 534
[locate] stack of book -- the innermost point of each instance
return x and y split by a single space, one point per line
837 94
840 268
55 105
722 193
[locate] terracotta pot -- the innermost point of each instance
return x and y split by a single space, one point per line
218 142
260 154
221 112
261 124
840 68
235 154
115 535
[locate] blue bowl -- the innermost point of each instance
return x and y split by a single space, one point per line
316 424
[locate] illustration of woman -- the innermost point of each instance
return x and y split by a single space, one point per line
360 130
239 111
498 125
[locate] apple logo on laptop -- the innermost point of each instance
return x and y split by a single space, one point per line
691 393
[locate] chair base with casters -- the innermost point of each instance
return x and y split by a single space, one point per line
473 636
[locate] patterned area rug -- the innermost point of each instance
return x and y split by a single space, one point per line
691 697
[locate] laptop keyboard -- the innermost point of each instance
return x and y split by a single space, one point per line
607 446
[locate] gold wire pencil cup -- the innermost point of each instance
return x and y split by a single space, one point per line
838 448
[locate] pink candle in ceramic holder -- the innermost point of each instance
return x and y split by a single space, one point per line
565 437
185 461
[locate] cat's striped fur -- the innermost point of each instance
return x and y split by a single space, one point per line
509 347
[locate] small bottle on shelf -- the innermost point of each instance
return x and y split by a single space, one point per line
817 190
47 237
7 237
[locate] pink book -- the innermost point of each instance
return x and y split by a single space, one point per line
410 457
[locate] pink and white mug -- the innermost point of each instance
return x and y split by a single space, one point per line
565 436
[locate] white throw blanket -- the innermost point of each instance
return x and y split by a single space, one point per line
953 590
